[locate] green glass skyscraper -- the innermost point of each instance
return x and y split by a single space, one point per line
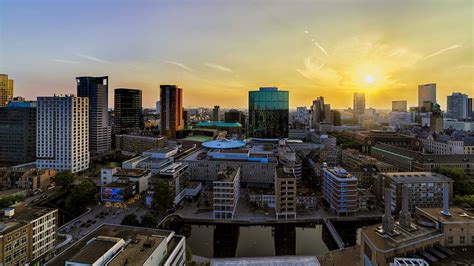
268 113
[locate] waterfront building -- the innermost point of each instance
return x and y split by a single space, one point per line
127 111
97 90
63 133
359 104
426 93
171 98
137 143
225 193
125 245
28 234
399 106
6 90
268 113
425 188
17 133
457 106
285 193
340 190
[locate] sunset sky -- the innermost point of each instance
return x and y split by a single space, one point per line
219 50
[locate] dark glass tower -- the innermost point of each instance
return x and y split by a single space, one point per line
97 90
127 110
268 113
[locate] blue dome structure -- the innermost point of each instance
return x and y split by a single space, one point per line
223 144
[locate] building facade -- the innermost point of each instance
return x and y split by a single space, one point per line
340 190
399 106
225 193
285 193
97 90
458 104
359 104
6 90
127 111
171 98
17 133
268 113
426 93
62 131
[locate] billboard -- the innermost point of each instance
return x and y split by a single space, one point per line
118 194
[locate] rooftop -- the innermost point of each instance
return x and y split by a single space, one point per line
218 124
138 250
270 261
94 250
457 215
131 172
224 144
401 177
198 138
228 174
27 213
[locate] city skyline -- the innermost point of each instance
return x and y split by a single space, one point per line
308 48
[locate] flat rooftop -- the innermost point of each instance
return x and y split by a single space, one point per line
138 250
458 215
401 177
282 174
127 233
227 174
26 213
270 261
161 150
131 172
93 251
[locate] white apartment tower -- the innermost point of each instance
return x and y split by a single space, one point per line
62 125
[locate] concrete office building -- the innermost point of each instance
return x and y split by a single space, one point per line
359 104
97 90
127 111
340 190
171 98
125 245
28 235
63 133
17 133
457 106
6 90
426 93
225 193
425 188
268 113
285 193
399 106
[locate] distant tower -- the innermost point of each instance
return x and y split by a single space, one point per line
457 106
171 98
426 93
215 113
127 110
359 104
6 90
97 90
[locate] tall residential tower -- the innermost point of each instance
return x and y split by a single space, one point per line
171 98
127 111
6 90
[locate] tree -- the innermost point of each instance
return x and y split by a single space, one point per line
466 201
64 179
9 200
81 196
462 185
130 219
163 198
149 220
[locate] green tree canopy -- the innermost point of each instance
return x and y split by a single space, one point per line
163 198
462 184
81 196
149 220
64 179
9 200
131 220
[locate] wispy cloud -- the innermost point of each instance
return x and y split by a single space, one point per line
307 32
218 67
443 50
321 48
65 61
93 58
181 65
465 66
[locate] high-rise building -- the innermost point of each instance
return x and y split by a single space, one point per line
469 108
127 110
62 130
340 190
17 133
359 104
426 93
317 111
215 113
6 90
97 90
171 97
268 113
158 107
457 106
233 116
399 106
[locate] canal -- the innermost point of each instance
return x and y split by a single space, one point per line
224 240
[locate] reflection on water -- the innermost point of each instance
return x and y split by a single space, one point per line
250 241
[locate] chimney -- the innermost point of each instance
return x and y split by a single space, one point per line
404 213
387 219
445 210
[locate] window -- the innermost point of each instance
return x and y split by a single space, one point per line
450 240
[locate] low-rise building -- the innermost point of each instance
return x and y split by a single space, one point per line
225 193
125 245
111 175
340 190
137 143
433 146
